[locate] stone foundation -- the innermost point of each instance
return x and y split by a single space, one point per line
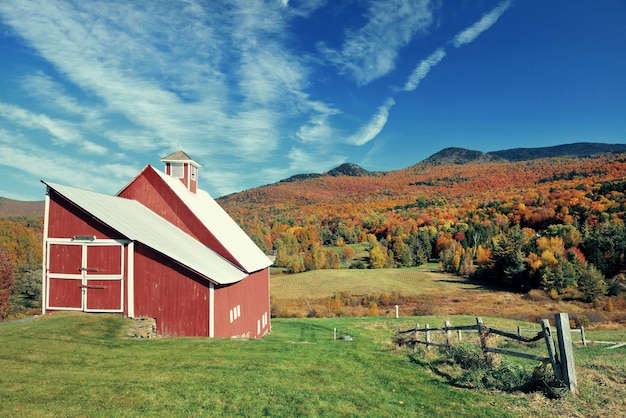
143 328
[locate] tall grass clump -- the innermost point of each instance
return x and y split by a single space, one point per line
466 366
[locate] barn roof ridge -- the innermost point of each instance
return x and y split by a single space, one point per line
138 223
220 224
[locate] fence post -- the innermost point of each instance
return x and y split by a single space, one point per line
566 351
481 334
458 334
547 336
427 337
519 334
582 335
417 338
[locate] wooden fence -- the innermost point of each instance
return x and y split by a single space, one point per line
562 361
584 341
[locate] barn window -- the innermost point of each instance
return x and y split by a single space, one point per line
177 170
194 172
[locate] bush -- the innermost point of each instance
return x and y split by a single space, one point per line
582 321
482 370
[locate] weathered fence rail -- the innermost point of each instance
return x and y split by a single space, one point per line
562 361
584 341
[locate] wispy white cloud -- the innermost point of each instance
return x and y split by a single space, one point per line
374 126
422 70
62 132
228 80
217 77
303 161
59 167
471 33
370 51
318 128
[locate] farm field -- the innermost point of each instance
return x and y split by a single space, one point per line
86 365
424 291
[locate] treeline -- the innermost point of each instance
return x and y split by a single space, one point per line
555 224
20 266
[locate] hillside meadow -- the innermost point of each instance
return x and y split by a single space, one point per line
425 291
86 365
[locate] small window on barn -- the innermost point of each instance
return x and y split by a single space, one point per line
177 170
194 172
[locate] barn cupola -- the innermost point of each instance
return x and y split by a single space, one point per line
179 165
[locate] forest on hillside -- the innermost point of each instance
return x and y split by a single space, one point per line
556 224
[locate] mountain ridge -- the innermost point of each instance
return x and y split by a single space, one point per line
447 156
460 156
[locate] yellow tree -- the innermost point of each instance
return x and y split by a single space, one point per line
378 259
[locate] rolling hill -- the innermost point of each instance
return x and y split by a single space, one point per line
9 208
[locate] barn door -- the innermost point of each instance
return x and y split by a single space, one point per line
85 276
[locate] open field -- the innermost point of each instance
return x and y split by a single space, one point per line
85 365
423 291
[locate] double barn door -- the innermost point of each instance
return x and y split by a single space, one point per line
85 276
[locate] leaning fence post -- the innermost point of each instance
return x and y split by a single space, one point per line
547 336
566 351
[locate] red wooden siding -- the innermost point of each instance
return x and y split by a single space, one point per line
104 260
65 293
251 298
65 259
176 297
103 295
66 221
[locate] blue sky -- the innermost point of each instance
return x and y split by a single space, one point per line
257 91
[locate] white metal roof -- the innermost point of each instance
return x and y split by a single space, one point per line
221 225
138 223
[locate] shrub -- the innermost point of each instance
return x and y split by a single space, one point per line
582 321
481 370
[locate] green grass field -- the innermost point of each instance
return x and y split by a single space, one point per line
422 291
85 365
321 283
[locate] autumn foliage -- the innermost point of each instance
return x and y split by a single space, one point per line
20 265
556 224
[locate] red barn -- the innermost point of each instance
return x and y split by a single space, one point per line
161 248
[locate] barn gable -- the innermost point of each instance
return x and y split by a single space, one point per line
199 214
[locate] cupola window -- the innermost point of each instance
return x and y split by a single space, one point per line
177 170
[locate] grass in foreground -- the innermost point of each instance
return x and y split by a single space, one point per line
83 365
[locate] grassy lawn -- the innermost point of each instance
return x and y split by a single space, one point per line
85 365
